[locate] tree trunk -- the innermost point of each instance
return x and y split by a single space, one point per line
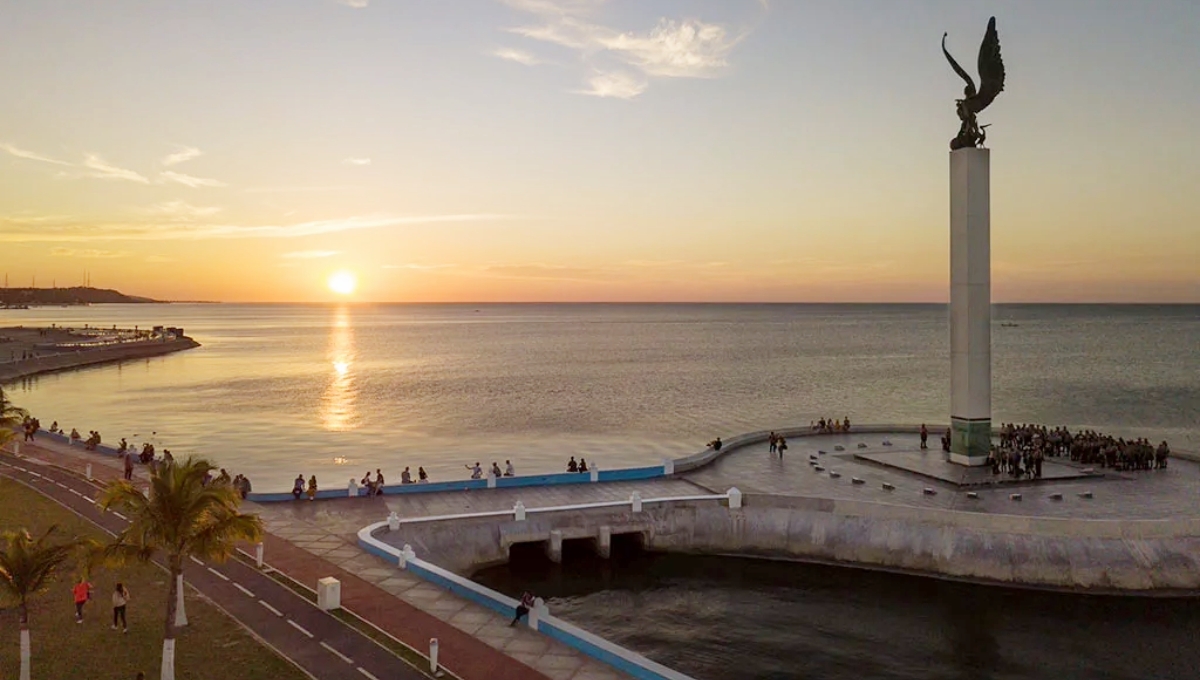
168 655
25 647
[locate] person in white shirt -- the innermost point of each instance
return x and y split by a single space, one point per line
509 470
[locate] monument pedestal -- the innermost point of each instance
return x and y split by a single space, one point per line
970 307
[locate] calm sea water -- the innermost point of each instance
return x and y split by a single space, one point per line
278 390
719 618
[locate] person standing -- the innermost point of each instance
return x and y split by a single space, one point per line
312 487
120 599
924 436
128 466
82 592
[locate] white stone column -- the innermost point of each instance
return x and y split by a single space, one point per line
970 306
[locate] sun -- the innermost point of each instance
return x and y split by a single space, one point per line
343 282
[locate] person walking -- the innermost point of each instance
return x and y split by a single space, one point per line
82 592
120 599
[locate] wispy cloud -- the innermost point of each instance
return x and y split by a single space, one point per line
101 169
357 161
614 84
293 190
179 210
187 153
687 48
545 272
356 4
29 155
519 56
309 254
89 253
418 266
84 231
189 181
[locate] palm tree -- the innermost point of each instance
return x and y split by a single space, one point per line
181 518
26 567
11 416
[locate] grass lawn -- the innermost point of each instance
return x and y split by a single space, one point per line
211 646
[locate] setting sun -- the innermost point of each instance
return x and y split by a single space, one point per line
343 282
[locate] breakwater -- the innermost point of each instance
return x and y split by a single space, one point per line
90 356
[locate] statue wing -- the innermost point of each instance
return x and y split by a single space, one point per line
958 69
991 68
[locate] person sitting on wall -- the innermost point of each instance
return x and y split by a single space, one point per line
54 427
298 487
367 484
121 448
495 469
378 482
476 471
75 435
523 607
846 424
583 465
509 470
422 478
406 477
715 444
572 466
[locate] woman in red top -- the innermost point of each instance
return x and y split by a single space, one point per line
83 593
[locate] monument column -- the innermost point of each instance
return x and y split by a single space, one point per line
970 307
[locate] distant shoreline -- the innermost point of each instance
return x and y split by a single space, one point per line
15 342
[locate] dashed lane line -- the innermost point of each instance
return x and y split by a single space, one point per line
120 515
244 589
196 560
299 628
336 653
218 574
270 608
367 673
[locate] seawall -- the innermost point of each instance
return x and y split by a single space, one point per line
1125 556
64 361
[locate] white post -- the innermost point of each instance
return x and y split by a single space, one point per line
16 448
594 473
406 554
393 521
180 615
258 555
88 471
539 610
735 498
25 653
352 489
636 500
491 480
970 307
433 653
668 466
519 511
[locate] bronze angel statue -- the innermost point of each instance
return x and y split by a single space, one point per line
991 83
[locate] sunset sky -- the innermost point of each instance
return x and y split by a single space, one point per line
540 150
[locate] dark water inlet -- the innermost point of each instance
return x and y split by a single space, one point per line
719 618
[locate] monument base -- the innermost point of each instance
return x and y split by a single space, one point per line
970 440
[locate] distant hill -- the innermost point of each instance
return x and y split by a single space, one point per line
79 295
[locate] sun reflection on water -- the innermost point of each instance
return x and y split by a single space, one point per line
338 404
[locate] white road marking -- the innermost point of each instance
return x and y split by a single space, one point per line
343 657
218 574
62 485
120 515
89 500
272 609
243 589
35 474
196 560
299 628
367 673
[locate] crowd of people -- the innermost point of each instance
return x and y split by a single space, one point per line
1022 449
830 425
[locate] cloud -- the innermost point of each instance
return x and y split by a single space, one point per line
187 153
179 210
292 190
614 84
89 253
519 56
415 265
356 4
357 161
309 254
102 170
189 181
84 231
545 272
29 155
672 49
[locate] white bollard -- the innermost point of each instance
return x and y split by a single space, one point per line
393 521
258 555
352 489
594 473
88 471
668 466
636 501
735 498
539 610
519 511
491 480
433 653
406 554
329 593
16 448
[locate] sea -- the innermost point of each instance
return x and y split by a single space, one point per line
281 390
334 390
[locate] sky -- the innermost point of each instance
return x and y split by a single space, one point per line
592 150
